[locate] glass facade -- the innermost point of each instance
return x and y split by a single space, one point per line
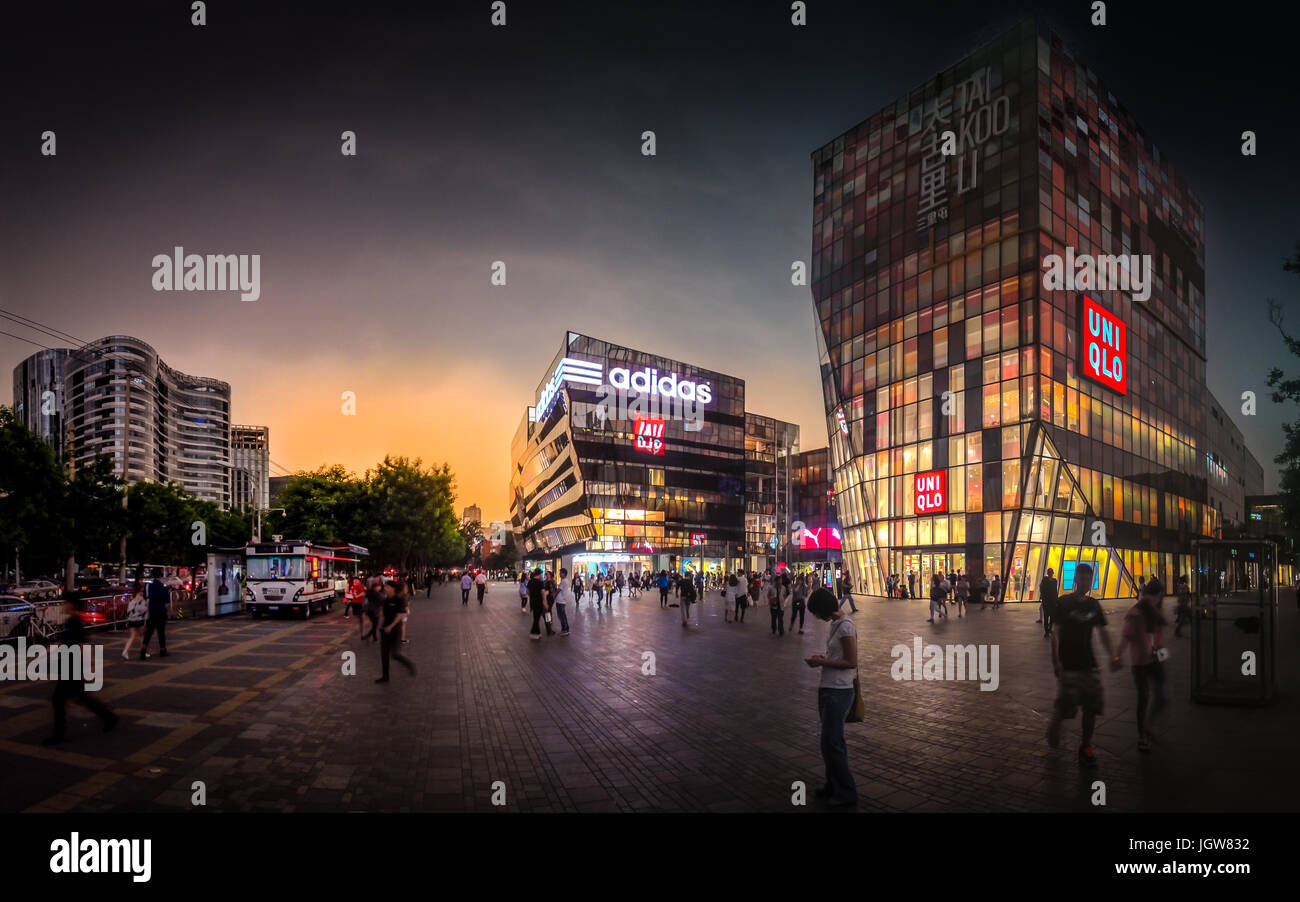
945 351
633 461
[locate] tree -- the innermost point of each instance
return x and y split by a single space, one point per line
31 489
325 505
1285 389
413 510
94 520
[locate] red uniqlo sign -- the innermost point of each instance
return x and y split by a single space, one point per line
1103 347
649 435
697 538
931 492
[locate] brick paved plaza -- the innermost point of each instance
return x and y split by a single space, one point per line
260 712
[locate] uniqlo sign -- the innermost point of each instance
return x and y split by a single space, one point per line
649 435
1103 346
931 492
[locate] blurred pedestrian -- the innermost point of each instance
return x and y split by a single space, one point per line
394 612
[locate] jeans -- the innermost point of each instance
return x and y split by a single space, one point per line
1148 676
373 616
538 619
564 621
464 596
663 598
778 621
390 646
796 608
75 690
157 621
481 590
832 707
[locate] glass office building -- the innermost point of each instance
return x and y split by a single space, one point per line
632 461
983 414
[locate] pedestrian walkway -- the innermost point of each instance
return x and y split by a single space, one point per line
262 714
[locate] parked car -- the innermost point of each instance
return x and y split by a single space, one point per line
95 585
37 588
14 612
106 609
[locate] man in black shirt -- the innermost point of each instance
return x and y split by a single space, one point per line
65 690
390 635
160 604
1047 595
538 604
1078 678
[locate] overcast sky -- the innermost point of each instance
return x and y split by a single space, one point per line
522 144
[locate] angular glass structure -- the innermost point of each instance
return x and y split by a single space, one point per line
1008 279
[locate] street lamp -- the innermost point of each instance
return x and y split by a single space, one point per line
257 525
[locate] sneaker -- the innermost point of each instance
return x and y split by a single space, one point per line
125 655
1086 757
564 633
535 636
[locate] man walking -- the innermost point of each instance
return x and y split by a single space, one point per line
563 593
1078 677
394 616
1047 594
160 606
846 591
428 582
465 582
480 582
69 689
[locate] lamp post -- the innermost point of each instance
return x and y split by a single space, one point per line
257 521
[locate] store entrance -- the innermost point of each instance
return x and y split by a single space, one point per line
917 567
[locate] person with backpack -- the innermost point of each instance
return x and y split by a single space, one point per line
1048 593
687 598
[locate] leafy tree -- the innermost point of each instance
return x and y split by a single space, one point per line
1285 389
325 505
413 510
94 520
31 488
158 521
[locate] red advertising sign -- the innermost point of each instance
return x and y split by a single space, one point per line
931 491
1103 346
839 418
649 435
697 538
825 537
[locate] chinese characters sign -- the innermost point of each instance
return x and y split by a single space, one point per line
1103 348
931 491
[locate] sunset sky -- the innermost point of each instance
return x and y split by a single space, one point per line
522 144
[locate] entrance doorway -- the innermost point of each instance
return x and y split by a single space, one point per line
923 565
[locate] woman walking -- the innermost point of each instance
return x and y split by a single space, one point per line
1143 630
775 597
523 593
798 601
137 612
835 694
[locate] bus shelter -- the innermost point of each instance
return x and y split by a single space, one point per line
1234 622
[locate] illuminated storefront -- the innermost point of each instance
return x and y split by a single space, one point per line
982 416
632 462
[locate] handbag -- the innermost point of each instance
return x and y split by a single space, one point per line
858 710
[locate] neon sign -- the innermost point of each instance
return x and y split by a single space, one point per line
839 418
825 537
1103 348
649 434
568 370
697 538
647 381
931 491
